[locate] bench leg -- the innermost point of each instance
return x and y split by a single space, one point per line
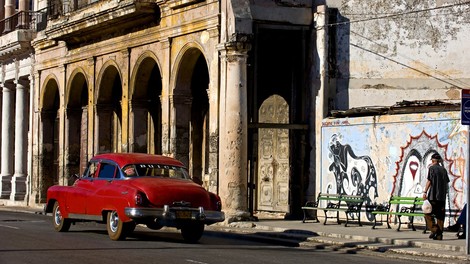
412 224
337 218
399 222
388 221
306 217
326 217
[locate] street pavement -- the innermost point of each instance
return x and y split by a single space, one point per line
352 238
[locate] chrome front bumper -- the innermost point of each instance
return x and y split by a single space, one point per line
168 213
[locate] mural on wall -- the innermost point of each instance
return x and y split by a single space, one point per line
391 156
354 175
412 167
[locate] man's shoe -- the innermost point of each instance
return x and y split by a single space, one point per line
432 235
461 236
437 237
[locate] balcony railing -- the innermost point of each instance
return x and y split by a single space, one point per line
23 20
57 8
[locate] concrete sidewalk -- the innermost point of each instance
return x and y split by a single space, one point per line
353 237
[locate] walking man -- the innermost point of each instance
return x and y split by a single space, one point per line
436 192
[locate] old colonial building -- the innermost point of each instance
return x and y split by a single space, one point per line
17 29
267 102
219 85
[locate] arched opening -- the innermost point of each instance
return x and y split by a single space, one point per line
76 145
49 152
191 103
109 112
146 109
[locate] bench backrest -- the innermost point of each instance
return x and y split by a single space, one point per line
412 203
340 199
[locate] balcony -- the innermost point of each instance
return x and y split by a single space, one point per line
16 33
100 20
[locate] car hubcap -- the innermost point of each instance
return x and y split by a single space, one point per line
113 222
57 216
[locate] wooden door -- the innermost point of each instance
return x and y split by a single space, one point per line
273 157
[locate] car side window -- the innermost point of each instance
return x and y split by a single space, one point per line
91 170
107 171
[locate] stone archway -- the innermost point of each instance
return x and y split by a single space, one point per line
76 141
191 107
109 112
49 151
146 109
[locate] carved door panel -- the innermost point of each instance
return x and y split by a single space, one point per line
273 157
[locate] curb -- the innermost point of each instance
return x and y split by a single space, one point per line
436 253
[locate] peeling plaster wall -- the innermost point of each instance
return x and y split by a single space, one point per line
384 155
398 50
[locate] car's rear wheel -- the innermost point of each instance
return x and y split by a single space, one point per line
192 232
60 223
117 229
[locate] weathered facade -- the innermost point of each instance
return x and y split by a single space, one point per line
243 92
17 30
394 84
191 79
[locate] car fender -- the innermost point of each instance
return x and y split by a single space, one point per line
119 202
59 194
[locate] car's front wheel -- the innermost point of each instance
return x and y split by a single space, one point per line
192 232
60 223
117 229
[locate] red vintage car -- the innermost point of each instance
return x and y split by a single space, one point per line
126 189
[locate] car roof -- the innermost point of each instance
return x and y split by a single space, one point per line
123 159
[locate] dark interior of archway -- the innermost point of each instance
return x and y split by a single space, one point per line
146 96
77 127
154 92
199 118
109 111
50 133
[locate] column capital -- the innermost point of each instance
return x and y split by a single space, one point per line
180 99
103 107
21 83
166 43
240 42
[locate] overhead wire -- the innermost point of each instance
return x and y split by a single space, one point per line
428 71
394 15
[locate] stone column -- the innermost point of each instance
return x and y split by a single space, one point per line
18 181
164 98
9 11
2 9
180 118
234 129
138 129
103 126
320 97
123 141
23 5
7 157
9 8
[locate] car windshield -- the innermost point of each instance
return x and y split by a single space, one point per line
159 170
